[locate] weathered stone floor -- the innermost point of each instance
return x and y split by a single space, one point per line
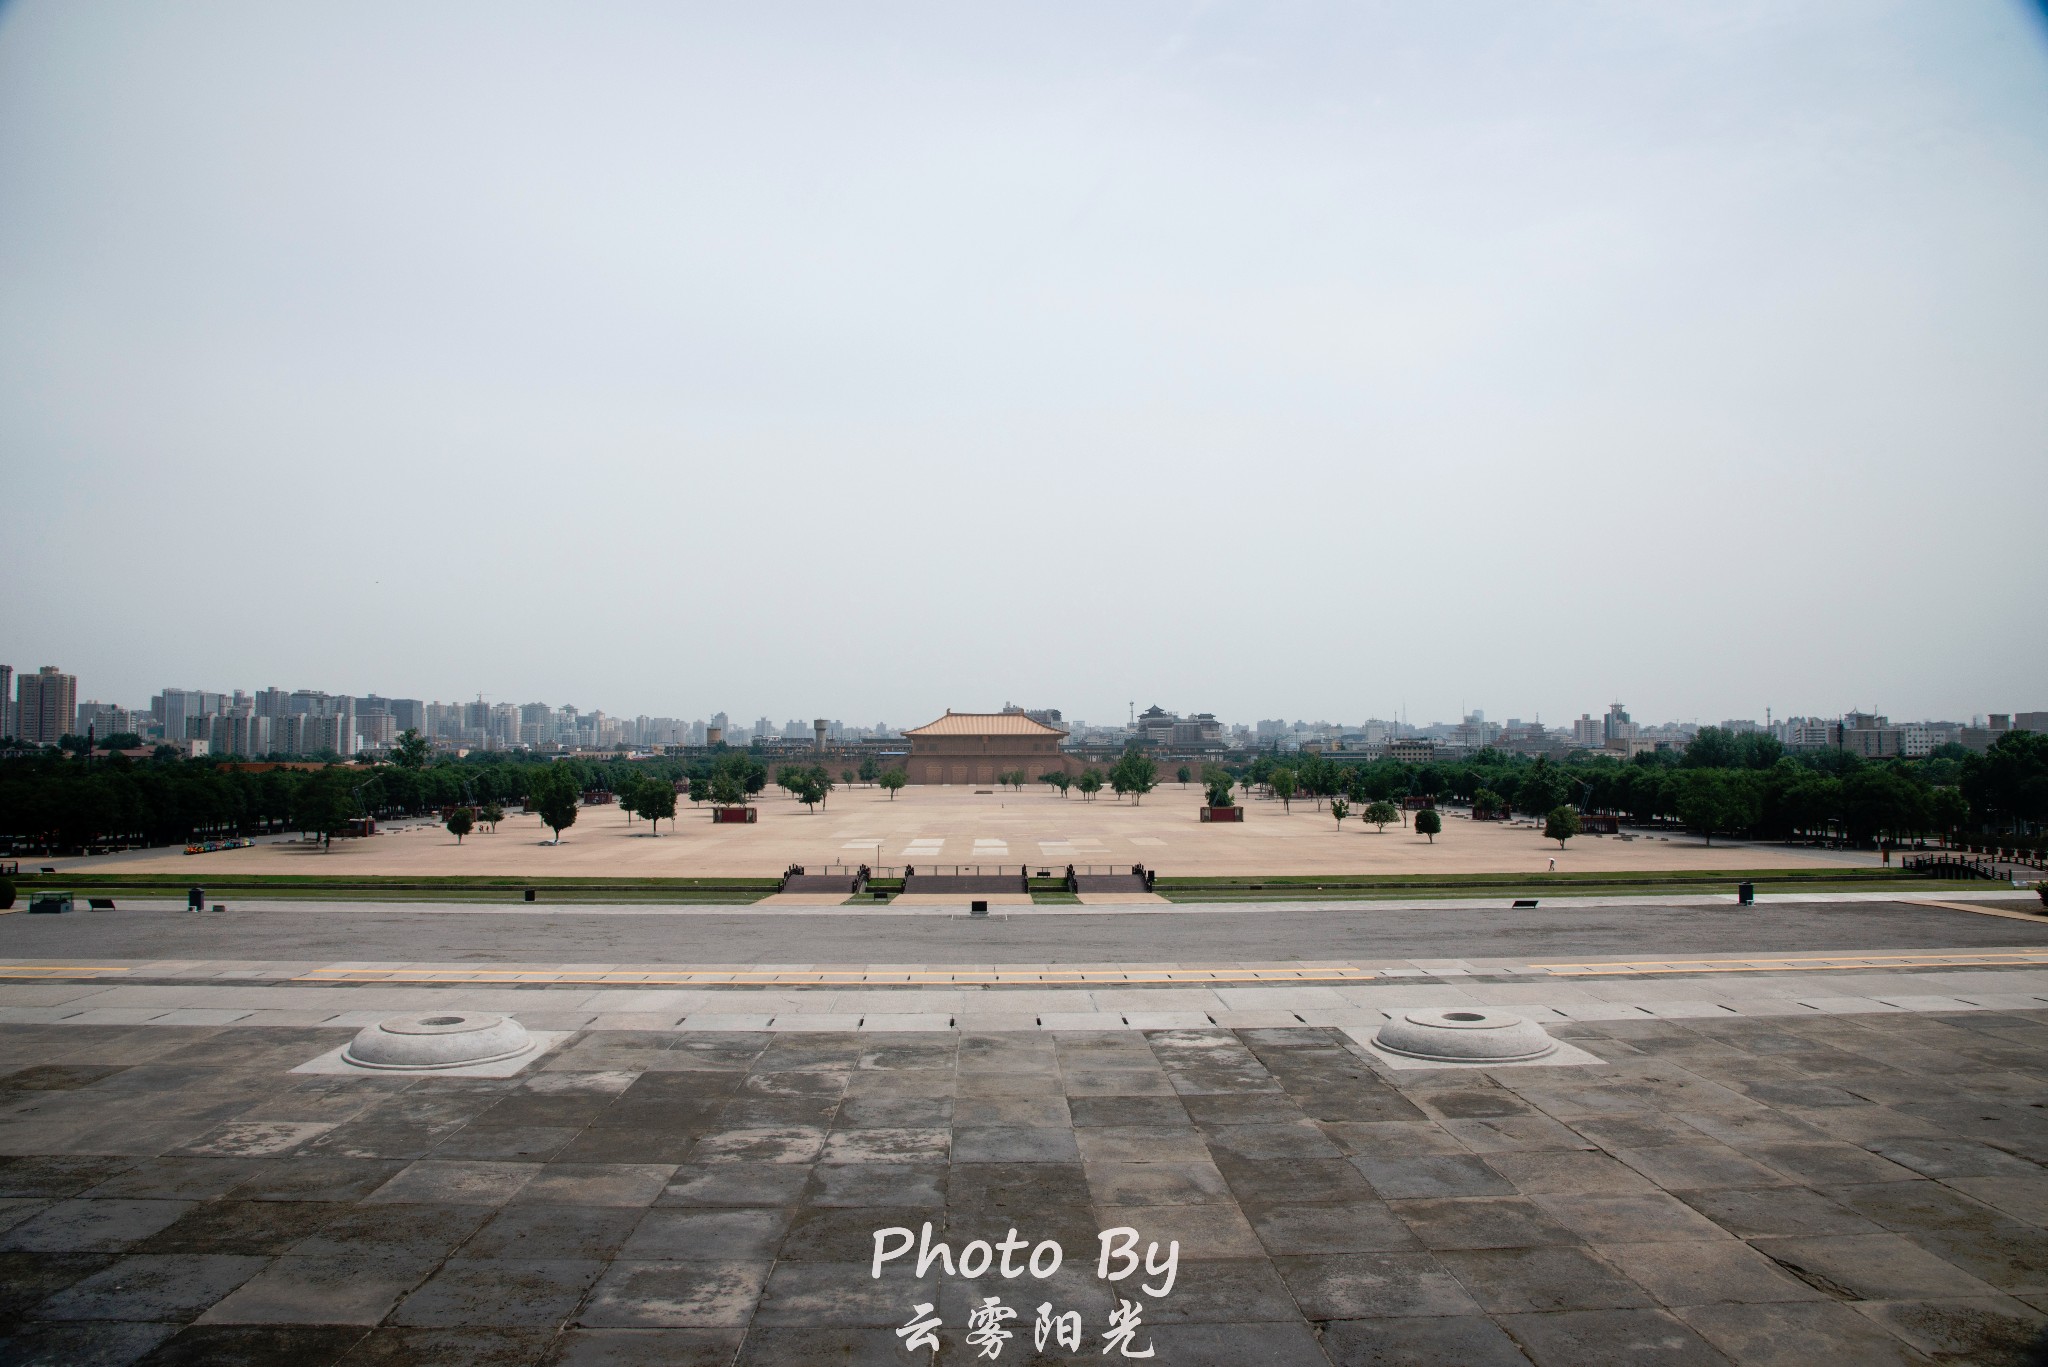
1854 1189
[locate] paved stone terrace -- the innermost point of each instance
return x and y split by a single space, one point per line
1855 1189
908 997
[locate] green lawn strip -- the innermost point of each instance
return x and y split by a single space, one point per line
365 887
1539 889
1634 881
1055 899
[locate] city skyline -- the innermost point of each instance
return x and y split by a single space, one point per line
277 720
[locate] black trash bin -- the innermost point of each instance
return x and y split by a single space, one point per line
1745 893
195 899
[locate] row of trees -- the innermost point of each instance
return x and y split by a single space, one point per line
1723 784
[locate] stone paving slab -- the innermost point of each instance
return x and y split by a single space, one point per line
1826 1187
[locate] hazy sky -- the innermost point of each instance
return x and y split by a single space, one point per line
868 360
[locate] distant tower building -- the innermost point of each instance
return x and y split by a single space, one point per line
46 705
6 701
1616 725
819 726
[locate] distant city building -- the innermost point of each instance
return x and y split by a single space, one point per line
1411 751
184 713
242 734
287 735
407 714
45 705
1587 733
1171 731
1869 735
7 701
103 719
1616 727
1806 733
375 730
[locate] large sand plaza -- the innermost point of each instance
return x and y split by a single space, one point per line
956 825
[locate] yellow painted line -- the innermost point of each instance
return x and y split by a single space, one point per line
1837 963
841 978
24 970
2019 913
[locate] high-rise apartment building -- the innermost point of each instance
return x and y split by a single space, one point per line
102 719
183 712
242 734
7 701
46 705
376 730
287 734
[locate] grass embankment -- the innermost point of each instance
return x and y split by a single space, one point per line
1328 887
380 888
1048 891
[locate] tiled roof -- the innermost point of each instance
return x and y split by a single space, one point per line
985 724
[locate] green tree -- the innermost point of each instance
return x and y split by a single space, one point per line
1428 823
461 822
1712 748
2008 784
891 780
1540 788
1316 777
1724 800
1219 783
1561 824
658 803
1059 779
1948 810
869 770
1184 774
808 788
1485 803
1381 814
1090 783
1135 773
1340 809
555 795
736 777
327 803
412 750
491 814
1282 783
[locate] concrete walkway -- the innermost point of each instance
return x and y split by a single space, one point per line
885 997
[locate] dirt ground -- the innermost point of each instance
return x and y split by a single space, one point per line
955 825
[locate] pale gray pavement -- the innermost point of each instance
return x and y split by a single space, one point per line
1276 931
